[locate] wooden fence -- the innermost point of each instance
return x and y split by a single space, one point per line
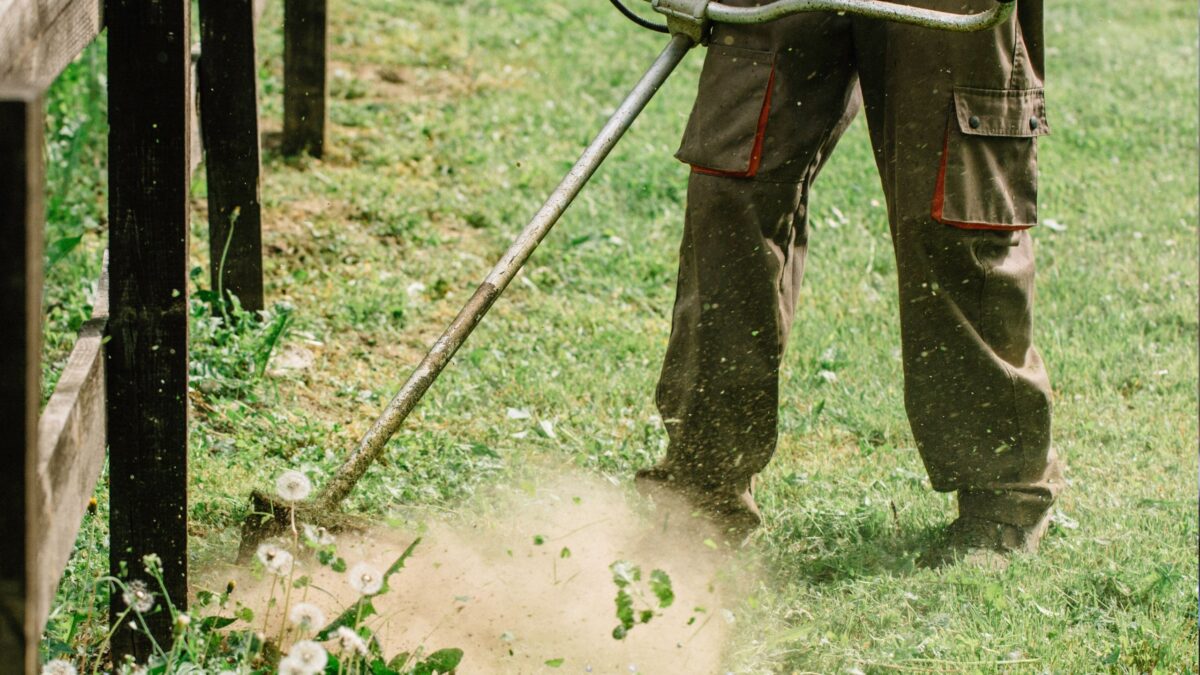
125 385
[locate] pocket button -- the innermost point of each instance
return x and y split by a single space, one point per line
1033 123
974 121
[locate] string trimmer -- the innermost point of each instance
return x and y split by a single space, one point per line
687 22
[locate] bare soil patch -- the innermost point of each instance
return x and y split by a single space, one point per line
520 580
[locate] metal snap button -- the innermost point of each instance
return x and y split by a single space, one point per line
1033 123
974 122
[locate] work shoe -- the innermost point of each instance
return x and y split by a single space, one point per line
986 543
734 516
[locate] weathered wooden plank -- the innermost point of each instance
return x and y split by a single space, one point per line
304 79
38 38
21 226
149 92
70 457
20 26
229 113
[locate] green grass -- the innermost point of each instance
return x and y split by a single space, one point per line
452 120
76 212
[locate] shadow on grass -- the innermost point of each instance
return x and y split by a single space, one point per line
832 548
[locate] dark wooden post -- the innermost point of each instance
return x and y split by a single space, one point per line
229 119
21 231
149 99
304 47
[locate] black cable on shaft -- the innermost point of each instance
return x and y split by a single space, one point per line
650 25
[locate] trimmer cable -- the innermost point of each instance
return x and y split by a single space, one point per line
649 25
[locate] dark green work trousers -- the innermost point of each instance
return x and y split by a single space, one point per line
954 121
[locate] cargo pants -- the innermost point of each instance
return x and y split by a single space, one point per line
953 121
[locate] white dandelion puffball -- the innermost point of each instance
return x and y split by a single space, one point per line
276 559
365 579
59 667
310 655
293 486
281 564
290 666
350 642
317 536
267 552
307 615
138 597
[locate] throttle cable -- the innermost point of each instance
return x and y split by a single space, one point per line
628 13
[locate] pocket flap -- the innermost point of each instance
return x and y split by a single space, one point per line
722 137
1016 113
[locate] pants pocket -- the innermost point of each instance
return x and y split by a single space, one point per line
725 132
988 174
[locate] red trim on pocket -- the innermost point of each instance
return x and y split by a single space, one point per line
759 136
939 199
939 192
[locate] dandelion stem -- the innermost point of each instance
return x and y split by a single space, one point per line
108 638
287 593
146 627
166 598
270 601
174 650
233 218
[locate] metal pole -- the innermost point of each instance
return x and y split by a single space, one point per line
873 9
497 280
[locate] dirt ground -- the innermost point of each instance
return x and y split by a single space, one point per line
521 582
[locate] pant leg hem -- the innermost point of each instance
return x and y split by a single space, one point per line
1023 509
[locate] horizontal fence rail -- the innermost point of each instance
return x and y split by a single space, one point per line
38 38
70 456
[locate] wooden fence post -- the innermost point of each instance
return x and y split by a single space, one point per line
149 99
21 230
304 47
229 119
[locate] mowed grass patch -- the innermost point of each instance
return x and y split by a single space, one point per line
451 121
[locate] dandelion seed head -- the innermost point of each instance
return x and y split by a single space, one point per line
307 615
267 552
365 579
275 558
350 642
290 666
59 667
138 597
310 655
281 564
317 536
293 486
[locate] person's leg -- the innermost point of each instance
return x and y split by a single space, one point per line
954 120
773 102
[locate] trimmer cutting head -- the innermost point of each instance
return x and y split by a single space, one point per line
271 517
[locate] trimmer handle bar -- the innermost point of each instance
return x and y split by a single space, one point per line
693 17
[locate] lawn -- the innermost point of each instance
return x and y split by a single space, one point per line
451 120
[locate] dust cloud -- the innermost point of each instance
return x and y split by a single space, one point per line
520 580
